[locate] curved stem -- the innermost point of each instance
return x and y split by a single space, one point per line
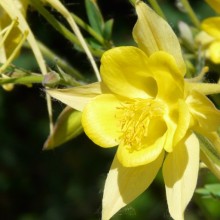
87 28
191 13
51 55
14 53
8 30
60 27
63 11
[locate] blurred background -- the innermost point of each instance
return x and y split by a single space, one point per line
67 183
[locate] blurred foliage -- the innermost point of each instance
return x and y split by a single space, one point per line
66 183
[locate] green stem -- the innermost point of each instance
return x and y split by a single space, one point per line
87 28
23 80
157 8
58 60
191 13
60 27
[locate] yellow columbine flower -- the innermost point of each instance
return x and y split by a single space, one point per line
137 111
210 38
145 107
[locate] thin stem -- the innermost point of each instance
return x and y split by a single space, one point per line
56 24
2 32
23 80
87 28
8 31
62 10
58 60
60 27
191 13
157 8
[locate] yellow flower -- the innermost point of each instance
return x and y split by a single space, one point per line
210 38
211 26
145 107
14 36
137 111
10 38
148 111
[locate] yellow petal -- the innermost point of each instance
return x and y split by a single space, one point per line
211 26
152 33
203 38
123 70
124 184
180 171
215 4
168 77
150 150
76 97
203 111
214 52
178 122
171 122
183 121
99 120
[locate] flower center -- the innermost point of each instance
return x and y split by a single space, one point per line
141 122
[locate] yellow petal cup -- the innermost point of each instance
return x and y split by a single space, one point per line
144 106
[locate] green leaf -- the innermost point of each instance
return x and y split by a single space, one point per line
210 191
214 189
94 15
107 32
203 191
68 126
